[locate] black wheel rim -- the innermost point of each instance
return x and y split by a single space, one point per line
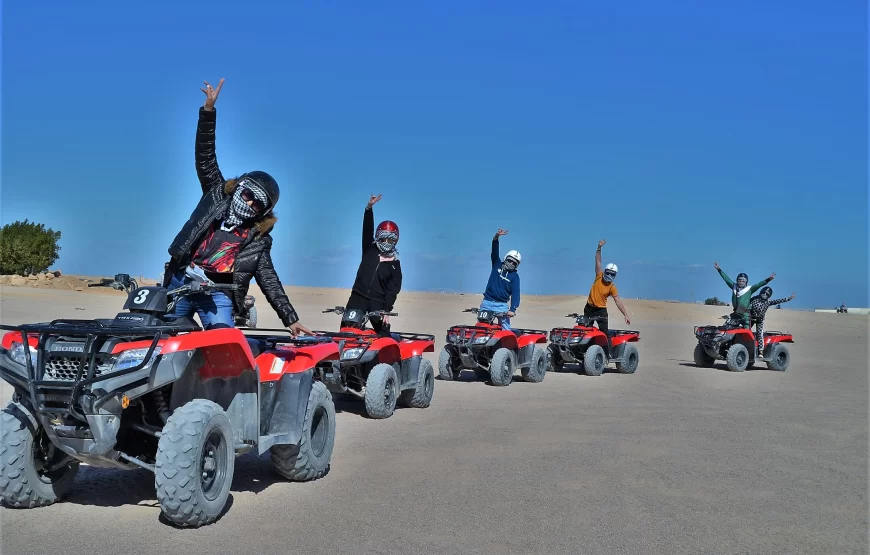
48 461
319 430
542 365
740 358
389 392
781 358
632 361
506 369
428 385
213 465
599 362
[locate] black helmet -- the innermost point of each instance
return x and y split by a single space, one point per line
267 183
767 290
744 276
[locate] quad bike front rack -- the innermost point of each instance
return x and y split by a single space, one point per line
85 371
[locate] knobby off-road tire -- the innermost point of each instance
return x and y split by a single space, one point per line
502 367
196 459
594 361
23 484
537 370
252 317
445 366
630 359
421 396
702 359
737 358
779 358
309 459
382 390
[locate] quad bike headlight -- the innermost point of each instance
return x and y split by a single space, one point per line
351 354
17 354
575 339
134 357
481 340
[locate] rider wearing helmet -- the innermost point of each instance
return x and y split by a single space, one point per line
227 237
503 284
603 287
758 306
741 292
379 276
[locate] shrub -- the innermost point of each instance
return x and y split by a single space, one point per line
27 248
714 301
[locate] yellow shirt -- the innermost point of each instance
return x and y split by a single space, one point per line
600 291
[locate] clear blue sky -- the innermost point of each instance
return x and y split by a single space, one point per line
682 132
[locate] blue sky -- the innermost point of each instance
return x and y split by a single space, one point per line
682 132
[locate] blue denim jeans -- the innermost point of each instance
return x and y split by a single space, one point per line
216 308
495 306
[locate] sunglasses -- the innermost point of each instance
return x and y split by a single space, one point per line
610 273
248 196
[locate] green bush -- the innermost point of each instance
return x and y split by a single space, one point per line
714 301
27 248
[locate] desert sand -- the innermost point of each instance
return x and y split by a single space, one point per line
672 459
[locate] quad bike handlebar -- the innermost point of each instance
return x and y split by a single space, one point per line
121 282
493 314
341 310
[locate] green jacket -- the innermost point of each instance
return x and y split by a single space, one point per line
740 299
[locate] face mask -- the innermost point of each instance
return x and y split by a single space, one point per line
386 242
239 211
509 264
608 277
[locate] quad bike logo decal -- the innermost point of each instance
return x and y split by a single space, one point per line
277 366
352 314
484 314
141 296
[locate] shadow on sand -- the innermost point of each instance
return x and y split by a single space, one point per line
105 487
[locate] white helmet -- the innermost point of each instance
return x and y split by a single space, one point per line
611 267
609 273
514 255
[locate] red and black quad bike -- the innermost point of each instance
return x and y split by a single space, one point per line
587 345
383 371
734 343
141 390
493 353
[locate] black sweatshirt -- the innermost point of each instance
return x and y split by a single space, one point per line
375 280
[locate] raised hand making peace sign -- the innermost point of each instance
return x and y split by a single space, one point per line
373 200
211 94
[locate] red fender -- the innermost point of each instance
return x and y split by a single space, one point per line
388 350
528 339
506 339
408 349
288 360
626 338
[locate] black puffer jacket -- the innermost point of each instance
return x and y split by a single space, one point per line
254 258
376 280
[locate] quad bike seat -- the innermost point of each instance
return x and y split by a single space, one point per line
257 346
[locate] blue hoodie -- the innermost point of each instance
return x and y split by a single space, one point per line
502 285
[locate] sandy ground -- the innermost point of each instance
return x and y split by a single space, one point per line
672 459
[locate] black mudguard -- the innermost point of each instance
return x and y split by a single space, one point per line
282 409
410 370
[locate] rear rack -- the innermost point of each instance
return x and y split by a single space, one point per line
415 336
524 331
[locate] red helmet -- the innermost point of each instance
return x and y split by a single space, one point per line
389 227
386 236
